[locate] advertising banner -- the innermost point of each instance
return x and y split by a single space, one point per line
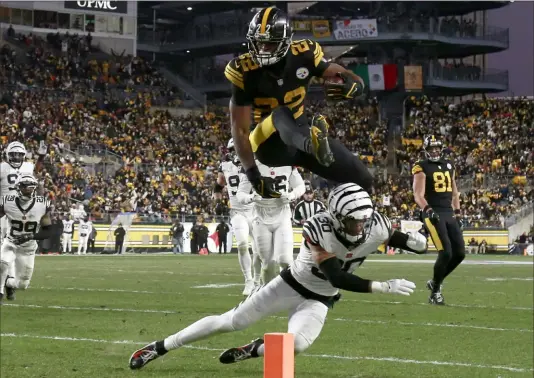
100 6
299 25
355 29
321 28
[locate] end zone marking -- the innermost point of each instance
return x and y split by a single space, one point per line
326 356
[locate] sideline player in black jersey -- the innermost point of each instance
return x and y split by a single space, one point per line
435 192
271 82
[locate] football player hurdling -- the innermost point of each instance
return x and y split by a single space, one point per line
13 165
271 226
335 243
28 217
229 176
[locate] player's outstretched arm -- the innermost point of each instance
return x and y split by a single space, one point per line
240 126
331 268
411 241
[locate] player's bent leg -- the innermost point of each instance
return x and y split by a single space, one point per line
346 166
306 322
261 303
456 238
24 265
7 257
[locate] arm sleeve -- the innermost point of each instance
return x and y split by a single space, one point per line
319 64
340 279
235 76
244 189
297 183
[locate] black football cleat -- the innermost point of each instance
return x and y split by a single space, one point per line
436 299
319 140
143 356
241 353
10 292
430 285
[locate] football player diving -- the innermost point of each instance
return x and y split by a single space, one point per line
269 85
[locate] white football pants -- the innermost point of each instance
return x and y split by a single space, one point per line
274 242
241 223
23 258
67 243
306 317
82 244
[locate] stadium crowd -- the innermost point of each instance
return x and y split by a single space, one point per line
114 152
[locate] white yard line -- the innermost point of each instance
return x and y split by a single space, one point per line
326 356
111 309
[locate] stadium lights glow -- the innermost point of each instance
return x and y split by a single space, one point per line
189 8
244 44
188 51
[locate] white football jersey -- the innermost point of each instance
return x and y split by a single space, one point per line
287 179
84 228
319 230
8 175
233 176
68 226
24 218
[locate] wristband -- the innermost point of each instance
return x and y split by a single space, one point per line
379 287
457 212
217 188
427 207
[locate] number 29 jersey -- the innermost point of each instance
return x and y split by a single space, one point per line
319 230
8 176
24 219
438 183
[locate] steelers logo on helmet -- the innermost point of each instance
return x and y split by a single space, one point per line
26 186
15 154
352 210
433 148
269 36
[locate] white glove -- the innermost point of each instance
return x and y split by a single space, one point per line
288 197
42 148
255 197
417 241
394 286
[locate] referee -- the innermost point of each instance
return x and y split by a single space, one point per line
308 207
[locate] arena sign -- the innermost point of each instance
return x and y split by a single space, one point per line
100 6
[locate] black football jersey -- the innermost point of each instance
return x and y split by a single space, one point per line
284 83
438 185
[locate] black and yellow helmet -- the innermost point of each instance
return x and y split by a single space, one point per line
269 36
433 148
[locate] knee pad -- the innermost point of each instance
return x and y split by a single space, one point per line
239 321
242 247
301 343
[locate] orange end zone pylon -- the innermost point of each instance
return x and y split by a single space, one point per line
279 355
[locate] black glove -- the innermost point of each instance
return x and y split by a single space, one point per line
21 239
430 214
459 219
264 186
350 88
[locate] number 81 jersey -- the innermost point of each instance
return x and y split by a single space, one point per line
319 230
8 175
24 218
438 182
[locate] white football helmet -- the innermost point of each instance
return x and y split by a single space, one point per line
352 210
26 186
15 154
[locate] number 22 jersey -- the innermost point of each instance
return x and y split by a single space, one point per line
319 230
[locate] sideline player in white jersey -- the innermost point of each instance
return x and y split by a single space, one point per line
84 230
271 226
335 243
25 212
240 218
14 164
68 230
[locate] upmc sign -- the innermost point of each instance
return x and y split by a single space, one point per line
100 6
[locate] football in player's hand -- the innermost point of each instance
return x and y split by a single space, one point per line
334 80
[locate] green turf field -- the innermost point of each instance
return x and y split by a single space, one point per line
84 316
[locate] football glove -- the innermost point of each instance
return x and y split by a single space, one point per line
264 186
350 88
394 286
21 239
430 214
42 149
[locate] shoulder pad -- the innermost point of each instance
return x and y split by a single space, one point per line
316 229
233 74
418 167
309 47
